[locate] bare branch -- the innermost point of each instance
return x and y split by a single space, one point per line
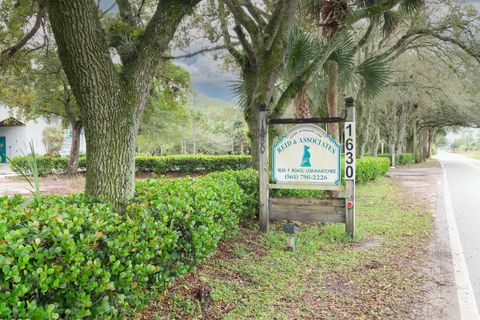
274 24
256 13
473 52
244 42
140 8
226 35
368 33
8 53
35 49
201 51
244 19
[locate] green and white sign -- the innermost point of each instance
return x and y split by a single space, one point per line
306 154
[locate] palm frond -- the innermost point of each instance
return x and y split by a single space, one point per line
349 78
411 6
239 92
374 73
301 49
391 21
345 54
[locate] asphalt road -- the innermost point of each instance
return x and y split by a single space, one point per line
463 176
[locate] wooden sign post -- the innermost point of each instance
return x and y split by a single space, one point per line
306 157
263 170
350 146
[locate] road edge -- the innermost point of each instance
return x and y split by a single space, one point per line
466 297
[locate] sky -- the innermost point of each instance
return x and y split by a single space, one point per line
209 76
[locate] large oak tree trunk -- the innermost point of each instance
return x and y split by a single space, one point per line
431 135
254 130
375 141
73 161
414 142
111 158
111 102
393 155
109 124
259 90
365 131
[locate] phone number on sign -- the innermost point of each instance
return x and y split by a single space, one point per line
305 177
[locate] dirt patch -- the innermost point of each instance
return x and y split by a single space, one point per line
420 183
55 184
225 250
369 244
65 185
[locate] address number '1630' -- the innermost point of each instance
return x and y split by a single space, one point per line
350 150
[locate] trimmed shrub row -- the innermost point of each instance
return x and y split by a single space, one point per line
46 165
156 164
203 163
73 257
369 168
189 163
401 158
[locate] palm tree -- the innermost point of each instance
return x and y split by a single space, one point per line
330 15
368 76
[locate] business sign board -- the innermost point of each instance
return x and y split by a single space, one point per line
306 154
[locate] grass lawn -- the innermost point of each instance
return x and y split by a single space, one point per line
375 276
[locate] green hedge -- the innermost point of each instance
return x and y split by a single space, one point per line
369 168
200 163
401 158
189 163
159 165
71 257
46 165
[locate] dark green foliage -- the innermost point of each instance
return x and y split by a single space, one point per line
46 165
72 257
297 193
156 164
405 158
248 181
369 168
401 158
188 163
375 72
411 6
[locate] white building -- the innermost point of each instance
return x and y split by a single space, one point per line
16 134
